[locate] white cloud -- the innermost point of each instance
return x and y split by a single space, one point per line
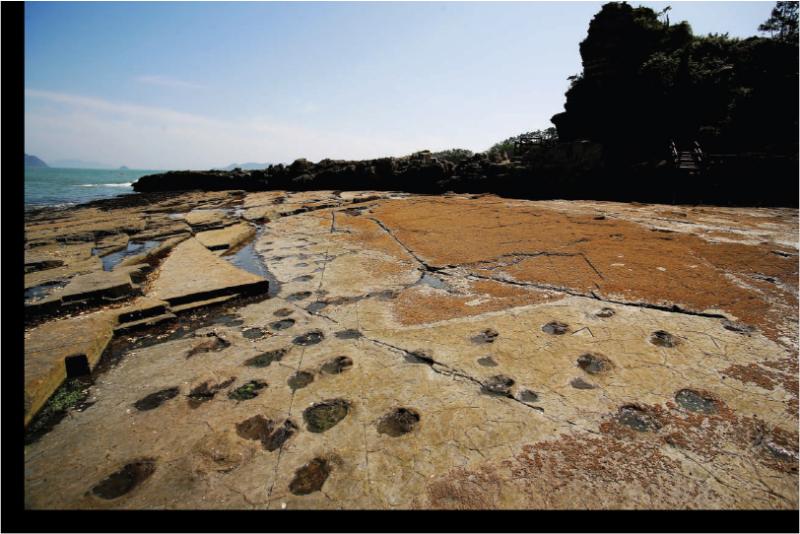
166 81
59 125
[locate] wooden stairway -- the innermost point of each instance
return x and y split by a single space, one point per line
689 161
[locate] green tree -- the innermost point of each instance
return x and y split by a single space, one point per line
645 82
782 24
454 155
509 145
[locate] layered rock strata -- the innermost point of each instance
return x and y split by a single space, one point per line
456 351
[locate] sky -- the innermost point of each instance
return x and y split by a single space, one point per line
185 85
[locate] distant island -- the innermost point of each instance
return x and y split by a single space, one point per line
33 161
123 168
250 166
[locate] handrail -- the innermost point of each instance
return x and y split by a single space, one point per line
674 151
698 154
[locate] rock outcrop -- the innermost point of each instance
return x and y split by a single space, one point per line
447 352
570 170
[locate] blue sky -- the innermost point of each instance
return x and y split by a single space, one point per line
197 85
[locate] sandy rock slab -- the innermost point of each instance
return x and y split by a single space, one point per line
193 272
453 352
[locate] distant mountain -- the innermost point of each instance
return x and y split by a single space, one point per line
123 168
245 166
33 161
80 164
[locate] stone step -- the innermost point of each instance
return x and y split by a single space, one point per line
148 309
201 303
145 322
51 346
182 281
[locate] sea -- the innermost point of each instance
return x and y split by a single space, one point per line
49 186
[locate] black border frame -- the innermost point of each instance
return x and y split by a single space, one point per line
18 519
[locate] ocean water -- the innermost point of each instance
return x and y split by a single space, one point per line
64 187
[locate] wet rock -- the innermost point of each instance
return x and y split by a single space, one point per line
309 338
386 294
283 312
350 333
605 313
435 282
125 480
487 361
254 333
259 428
419 356
355 211
282 324
498 385
72 395
580 383
325 415
300 380
266 358
398 422
280 436
214 343
154 400
228 319
206 391
594 364
637 418
739 328
310 477
697 402
247 391
555 328
300 295
526 395
662 338
337 365
315 307
487 336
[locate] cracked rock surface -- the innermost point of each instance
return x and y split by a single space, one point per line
432 357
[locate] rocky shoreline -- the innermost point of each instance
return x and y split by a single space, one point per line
577 170
373 349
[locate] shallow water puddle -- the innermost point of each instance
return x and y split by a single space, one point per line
326 414
251 261
134 247
41 291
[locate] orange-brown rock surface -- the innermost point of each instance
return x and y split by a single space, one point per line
453 351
